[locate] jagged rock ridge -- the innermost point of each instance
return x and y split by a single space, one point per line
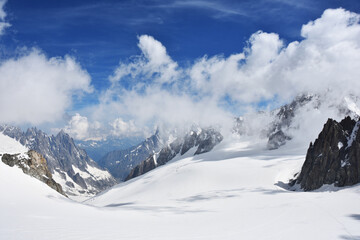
334 158
33 164
277 136
279 124
121 162
204 140
70 165
97 149
275 124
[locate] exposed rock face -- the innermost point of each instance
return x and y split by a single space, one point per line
34 164
283 120
285 116
204 140
144 167
334 158
277 139
70 165
121 162
273 125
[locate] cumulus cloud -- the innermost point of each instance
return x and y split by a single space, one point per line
154 64
325 59
153 89
81 128
3 23
78 127
35 89
121 128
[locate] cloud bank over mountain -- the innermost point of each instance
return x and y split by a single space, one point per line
152 88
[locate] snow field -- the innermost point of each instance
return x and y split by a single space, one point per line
233 192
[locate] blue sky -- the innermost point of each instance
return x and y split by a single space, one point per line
105 37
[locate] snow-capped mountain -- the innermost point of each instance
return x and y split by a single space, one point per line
283 119
120 162
70 166
97 149
301 118
204 196
202 140
157 150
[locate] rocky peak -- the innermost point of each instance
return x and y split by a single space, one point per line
334 158
283 119
70 165
35 165
204 141
11 131
121 162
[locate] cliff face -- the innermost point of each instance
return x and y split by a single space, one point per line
334 158
35 165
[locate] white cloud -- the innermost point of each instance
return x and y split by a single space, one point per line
326 59
161 92
153 61
121 128
81 128
78 127
35 89
3 23
334 26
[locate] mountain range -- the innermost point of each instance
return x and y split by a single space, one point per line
203 181
121 162
70 165
97 149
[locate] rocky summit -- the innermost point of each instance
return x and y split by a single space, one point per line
70 165
282 121
204 140
121 162
33 164
334 158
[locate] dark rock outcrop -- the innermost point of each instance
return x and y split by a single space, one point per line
144 167
34 164
205 140
334 158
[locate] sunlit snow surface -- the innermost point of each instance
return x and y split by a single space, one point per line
233 192
10 145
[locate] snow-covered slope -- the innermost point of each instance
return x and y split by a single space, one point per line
235 192
232 192
10 145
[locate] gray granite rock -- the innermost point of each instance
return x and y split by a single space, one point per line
334 158
34 164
